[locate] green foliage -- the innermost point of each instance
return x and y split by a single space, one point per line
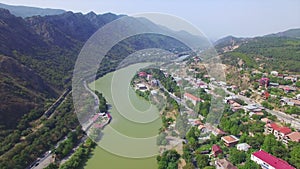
236 156
249 164
189 165
161 139
295 156
182 125
293 110
202 160
43 139
102 102
297 84
267 105
80 156
282 53
168 160
274 147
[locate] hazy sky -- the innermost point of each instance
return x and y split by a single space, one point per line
215 18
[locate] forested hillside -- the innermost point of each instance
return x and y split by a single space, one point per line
277 51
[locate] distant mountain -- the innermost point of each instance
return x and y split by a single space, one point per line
24 11
48 46
292 33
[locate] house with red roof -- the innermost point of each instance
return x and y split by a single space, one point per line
142 74
264 81
267 161
278 131
216 150
230 140
294 136
192 98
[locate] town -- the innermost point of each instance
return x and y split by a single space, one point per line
259 126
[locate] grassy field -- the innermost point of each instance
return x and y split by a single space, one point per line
133 120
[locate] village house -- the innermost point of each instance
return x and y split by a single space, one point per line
278 131
274 73
243 146
291 78
230 140
266 120
264 81
298 96
142 74
216 150
294 136
224 164
287 89
192 98
141 87
267 161
272 84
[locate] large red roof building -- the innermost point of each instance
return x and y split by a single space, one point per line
267 161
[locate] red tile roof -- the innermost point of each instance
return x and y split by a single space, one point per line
273 126
192 97
275 162
294 136
285 130
216 148
230 139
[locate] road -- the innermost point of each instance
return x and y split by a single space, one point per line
280 115
47 159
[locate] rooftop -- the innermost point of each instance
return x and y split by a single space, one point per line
190 96
284 130
272 161
230 139
294 136
216 148
225 164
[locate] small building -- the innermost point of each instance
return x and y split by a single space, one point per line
272 84
274 73
141 86
267 161
294 136
224 164
192 98
278 131
142 74
298 96
216 150
243 146
230 140
266 120
264 81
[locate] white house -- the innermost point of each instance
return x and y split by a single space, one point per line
243 146
274 73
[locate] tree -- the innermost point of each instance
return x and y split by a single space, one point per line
202 160
161 139
189 165
297 84
269 142
209 167
295 156
249 164
236 156
168 160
